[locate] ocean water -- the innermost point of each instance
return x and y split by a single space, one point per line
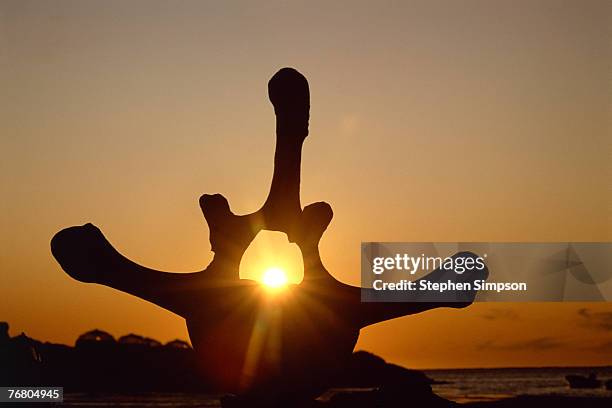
469 385
465 385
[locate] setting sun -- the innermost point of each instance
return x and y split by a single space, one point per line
274 278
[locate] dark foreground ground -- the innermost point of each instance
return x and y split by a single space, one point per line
134 371
178 400
545 401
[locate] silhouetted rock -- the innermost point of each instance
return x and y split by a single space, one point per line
178 344
136 340
580 381
4 332
22 359
368 370
95 336
135 363
99 363
390 384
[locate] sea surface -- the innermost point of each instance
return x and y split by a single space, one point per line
461 385
470 385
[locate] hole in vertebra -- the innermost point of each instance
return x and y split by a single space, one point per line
272 251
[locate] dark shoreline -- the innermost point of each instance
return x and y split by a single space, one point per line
545 401
100 371
182 400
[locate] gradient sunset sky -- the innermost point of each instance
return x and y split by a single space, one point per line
430 121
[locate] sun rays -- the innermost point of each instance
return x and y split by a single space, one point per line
272 260
274 278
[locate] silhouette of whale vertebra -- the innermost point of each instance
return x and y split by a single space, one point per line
271 348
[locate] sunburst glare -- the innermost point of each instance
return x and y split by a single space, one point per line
272 260
274 278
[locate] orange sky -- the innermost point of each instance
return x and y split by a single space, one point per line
430 121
